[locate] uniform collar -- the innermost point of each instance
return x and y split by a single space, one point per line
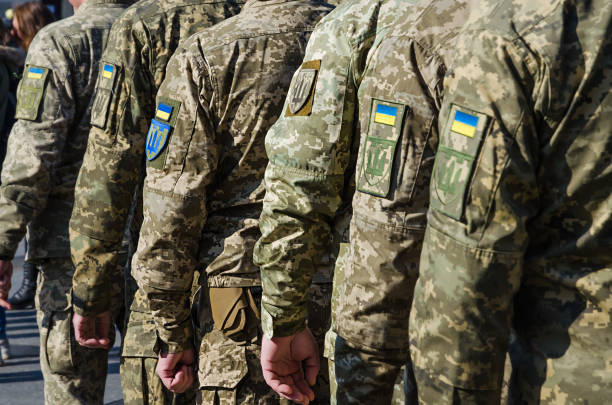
91 3
259 3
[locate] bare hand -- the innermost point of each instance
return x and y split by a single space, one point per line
6 272
176 370
285 362
92 331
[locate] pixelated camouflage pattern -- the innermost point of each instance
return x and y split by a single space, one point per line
45 150
201 207
310 161
139 372
72 374
141 44
531 247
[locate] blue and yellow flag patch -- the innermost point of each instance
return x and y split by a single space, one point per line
385 114
35 73
107 71
157 137
464 124
163 111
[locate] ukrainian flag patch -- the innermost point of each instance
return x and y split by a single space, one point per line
35 73
385 114
107 71
163 111
464 124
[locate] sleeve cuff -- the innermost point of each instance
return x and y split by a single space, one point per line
175 340
282 325
86 307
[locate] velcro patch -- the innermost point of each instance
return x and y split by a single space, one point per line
105 89
378 154
30 92
459 146
301 94
160 131
157 137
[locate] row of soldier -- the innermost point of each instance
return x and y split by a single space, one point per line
447 161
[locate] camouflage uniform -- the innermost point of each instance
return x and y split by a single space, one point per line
520 224
203 192
140 45
382 62
45 150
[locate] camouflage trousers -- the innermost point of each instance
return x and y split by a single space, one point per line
139 380
230 373
142 386
72 374
358 377
359 374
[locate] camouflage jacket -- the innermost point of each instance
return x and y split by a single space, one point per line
47 143
520 225
372 118
140 45
203 191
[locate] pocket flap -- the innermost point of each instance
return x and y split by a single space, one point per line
222 362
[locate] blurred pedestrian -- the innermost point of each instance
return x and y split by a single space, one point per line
28 19
11 62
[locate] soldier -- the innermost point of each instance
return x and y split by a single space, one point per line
45 150
520 225
203 193
140 46
373 103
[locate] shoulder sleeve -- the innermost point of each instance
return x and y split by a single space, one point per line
483 191
182 155
308 150
45 112
113 161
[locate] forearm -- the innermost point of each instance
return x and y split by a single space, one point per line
294 233
172 315
96 269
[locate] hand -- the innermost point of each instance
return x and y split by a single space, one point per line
285 361
92 331
6 272
176 370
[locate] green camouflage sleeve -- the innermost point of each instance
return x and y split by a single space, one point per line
174 198
308 150
483 192
45 113
112 165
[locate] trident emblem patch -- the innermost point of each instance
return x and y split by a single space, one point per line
156 138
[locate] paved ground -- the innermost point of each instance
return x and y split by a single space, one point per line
20 379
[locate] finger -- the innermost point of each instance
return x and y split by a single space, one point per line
302 385
282 385
5 304
312 365
94 343
182 380
82 331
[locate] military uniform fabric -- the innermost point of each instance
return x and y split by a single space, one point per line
108 192
203 192
138 373
45 149
519 225
363 47
72 374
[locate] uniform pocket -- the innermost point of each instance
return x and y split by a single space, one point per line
57 341
222 363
